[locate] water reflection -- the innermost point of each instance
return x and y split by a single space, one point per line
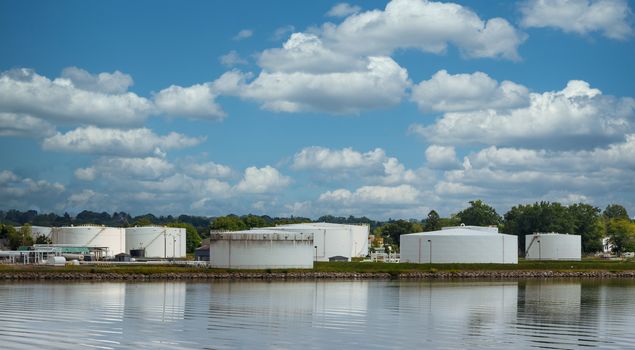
317 315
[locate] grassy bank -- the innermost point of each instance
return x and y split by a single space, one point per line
338 267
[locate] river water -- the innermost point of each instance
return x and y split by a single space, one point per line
565 314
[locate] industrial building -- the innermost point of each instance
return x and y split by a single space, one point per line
261 249
553 246
331 240
111 239
460 244
156 242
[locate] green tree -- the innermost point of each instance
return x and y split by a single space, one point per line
621 234
392 230
524 220
433 222
479 214
21 237
588 223
192 238
254 221
6 231
615 211
228 223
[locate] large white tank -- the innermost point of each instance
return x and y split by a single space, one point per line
462 244
111 238
552 246
333 239
261 249
38 231
157 241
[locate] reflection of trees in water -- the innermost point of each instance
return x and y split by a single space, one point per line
557 313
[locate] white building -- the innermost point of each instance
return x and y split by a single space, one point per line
111 238
156 242
461 244
261 249
552 246
332 240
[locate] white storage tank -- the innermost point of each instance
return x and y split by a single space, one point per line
333 239
461 244
111 238
156 242
261 249
553 246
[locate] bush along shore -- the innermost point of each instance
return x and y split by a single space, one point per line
594 269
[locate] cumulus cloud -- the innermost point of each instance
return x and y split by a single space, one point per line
24 192
109 83
281 32
327 159
343 9
196 101
118 167
130 143
305 52
425 25
371 167
403 194
243 34
610 17
559 119
12 124
382 83
232 58
441 157
209 169
262 180
95 100
463 92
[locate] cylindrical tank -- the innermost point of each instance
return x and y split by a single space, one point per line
156 241
552 246
333 240
56 261
465 244
113 239
261 249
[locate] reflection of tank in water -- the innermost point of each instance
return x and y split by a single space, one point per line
161 301
550 300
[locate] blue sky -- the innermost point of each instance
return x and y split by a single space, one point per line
383 109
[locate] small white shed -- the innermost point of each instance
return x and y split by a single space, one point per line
553 246
461 244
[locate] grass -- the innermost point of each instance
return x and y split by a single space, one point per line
348 267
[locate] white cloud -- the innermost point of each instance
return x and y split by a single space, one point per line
343 9
262 180
381 84
86 174
232 58
373 195
109 83
305 52
22 91
243 34
196 101
12 124
463 92
441 157
560 119
281 32
611 17
23 192
133 142
327 159
209 169
425 25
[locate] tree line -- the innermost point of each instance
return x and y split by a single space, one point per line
591 223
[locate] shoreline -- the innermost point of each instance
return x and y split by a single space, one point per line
310 275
